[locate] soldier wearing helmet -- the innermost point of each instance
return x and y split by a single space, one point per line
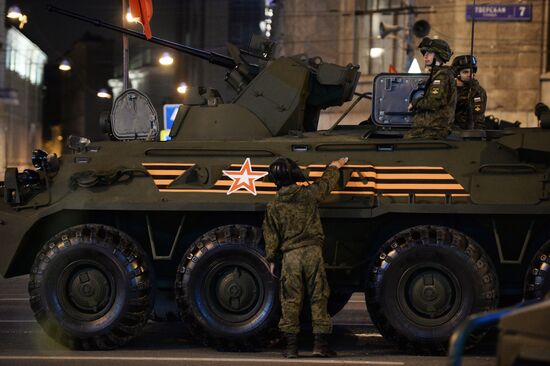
292 225
434 112
471 97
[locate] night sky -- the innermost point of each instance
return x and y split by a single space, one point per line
55 33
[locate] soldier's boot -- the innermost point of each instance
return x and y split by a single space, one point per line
321 347
291 350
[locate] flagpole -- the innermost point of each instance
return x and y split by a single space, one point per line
125 48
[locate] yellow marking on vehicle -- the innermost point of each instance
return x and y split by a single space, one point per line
361 184
180 190
253 166
442 176
370 185
226 183
163 182
168 164
410 167
166 172
415 186
425 194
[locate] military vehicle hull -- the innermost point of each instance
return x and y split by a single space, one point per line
431 231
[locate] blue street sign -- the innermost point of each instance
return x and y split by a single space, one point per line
500 12
169 111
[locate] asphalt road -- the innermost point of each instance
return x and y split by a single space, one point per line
22 342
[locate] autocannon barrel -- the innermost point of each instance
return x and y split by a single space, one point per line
212 57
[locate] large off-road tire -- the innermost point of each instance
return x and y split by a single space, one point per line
537 279
91 287
424 282
224 289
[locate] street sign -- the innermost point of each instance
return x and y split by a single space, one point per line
500 12
169 111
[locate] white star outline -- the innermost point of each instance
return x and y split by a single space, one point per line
244 178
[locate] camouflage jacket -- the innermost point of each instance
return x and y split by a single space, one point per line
434 112
292 220
477 101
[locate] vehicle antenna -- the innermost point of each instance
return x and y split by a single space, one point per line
470 106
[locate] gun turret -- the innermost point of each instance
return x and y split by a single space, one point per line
282 95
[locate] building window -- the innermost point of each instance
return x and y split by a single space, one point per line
371 52
24 57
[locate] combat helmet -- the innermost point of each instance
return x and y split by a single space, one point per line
285 171
438 46
464 62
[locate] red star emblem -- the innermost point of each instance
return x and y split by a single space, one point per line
244 178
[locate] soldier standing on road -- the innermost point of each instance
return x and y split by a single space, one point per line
434 112
470 94
292 225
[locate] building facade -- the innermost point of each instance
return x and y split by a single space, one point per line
513 55
91 60
21 95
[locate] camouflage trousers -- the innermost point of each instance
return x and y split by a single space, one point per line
303 274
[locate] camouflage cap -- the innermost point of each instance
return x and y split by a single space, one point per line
464 62
438 46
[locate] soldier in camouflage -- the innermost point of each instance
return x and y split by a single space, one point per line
470 94
292 226
434 112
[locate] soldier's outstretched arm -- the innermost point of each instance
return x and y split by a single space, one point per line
324 185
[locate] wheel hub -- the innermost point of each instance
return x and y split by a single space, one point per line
89 290
429 294
86 290
236 290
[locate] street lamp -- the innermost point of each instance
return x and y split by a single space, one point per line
104 93
65 65
376 52
182 88
14 12
130 18
166 59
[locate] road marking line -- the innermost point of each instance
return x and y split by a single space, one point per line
15 299
199 359
377 335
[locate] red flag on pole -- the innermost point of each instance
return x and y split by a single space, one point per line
143 10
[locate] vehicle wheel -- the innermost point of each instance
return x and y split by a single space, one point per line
425 281
537 280
91 287
224 289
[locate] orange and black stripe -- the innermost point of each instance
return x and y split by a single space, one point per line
364 180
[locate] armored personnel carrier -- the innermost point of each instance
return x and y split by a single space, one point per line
430 231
